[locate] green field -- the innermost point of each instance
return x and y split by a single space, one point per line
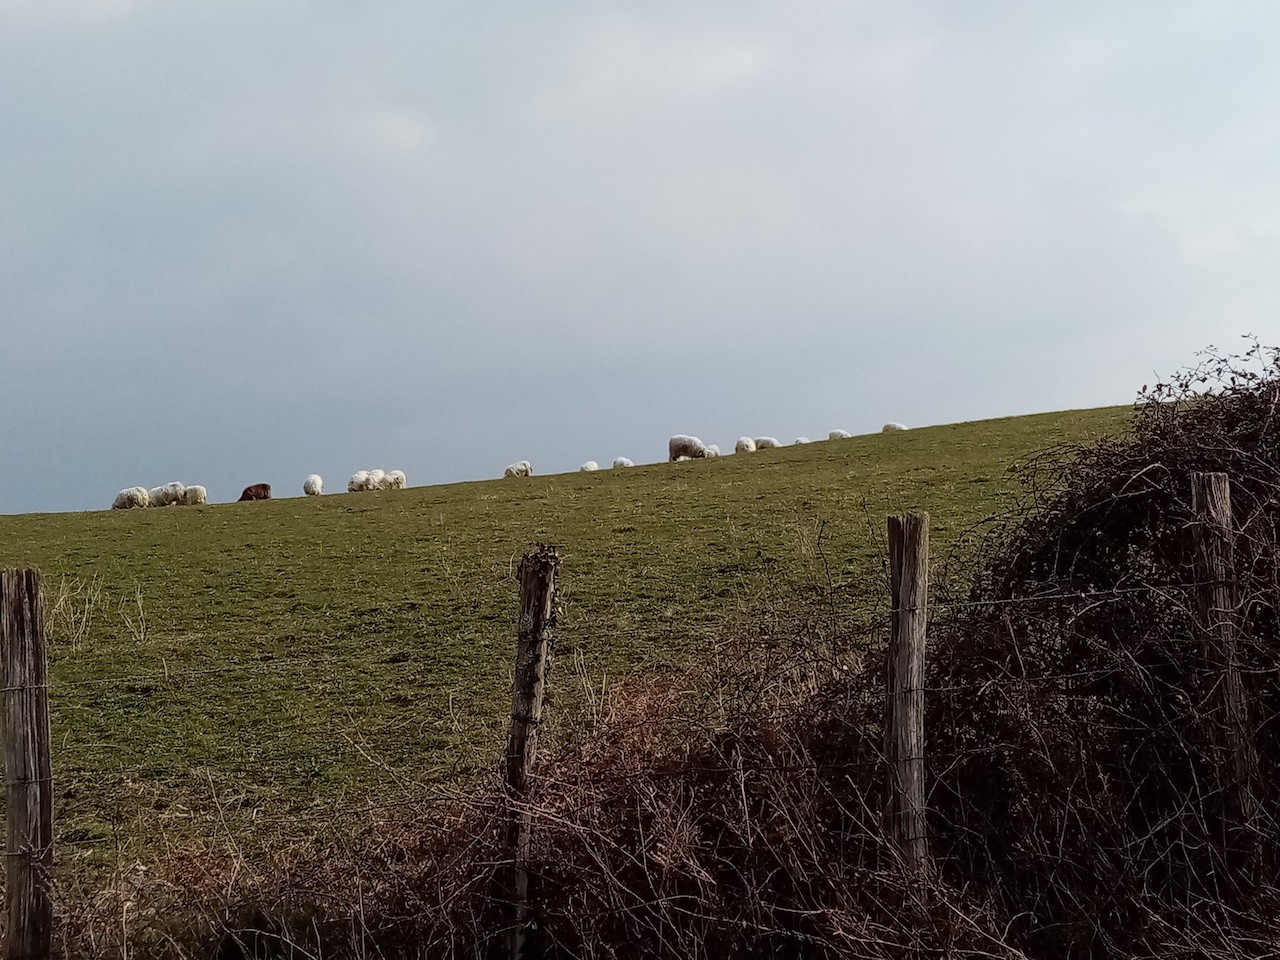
272 663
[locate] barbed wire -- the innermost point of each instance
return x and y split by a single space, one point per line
171 674
871 623
1090 595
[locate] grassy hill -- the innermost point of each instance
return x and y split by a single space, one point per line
275 663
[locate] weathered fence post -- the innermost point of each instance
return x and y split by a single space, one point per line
28 776
904 693
538 572
1219 603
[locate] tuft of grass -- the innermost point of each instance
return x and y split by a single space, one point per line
70 606
264 668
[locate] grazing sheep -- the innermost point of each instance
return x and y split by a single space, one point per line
521 468
691 448
313 486
364 480
194 496
800 440
589 466
712 451
131 498
256 491
744 445
622 462
893 427
166 496
766 443
839 435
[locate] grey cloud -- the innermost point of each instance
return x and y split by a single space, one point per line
244 243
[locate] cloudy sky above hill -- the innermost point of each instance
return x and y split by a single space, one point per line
245 241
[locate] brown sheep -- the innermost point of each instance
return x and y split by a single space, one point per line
258 491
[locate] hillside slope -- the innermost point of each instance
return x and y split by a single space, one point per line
298 656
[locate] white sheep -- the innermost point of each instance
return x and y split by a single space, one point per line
712 451
893 427
394 480
194 496
166 496
800 440
744 445
521 468
766 443
839 435
359 482
313 486
622 462
691 448
131 498
375 479
589 466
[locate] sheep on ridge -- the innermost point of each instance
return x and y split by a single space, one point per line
521 468
364 480
712 451
166 496
589 466
622 462
360 481
800 440
893 427
690 448
313 486
839 435
744 445
194 496
256 491
131 498
767 443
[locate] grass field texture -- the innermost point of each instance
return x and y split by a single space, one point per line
288 660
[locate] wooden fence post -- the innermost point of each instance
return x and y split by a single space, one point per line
904 694
28 776
538 572
1219 603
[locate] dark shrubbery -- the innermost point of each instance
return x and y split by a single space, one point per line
1084 784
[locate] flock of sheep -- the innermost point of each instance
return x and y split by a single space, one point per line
177 494
173 494
679 447
365 480
682 447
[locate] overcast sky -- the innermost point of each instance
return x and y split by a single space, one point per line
247 241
